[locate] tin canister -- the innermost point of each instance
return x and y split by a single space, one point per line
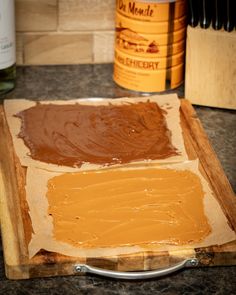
149 44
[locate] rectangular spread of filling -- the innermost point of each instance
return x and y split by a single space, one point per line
71 135
113 208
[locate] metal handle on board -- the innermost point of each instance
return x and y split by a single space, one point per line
135 275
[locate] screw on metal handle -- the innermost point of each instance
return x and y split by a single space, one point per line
191 262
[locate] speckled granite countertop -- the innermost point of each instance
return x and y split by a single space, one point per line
65 82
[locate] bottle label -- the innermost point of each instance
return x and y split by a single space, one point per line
7 34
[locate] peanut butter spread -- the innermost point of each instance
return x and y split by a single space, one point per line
71 135
113 208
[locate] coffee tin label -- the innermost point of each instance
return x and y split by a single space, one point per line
151 10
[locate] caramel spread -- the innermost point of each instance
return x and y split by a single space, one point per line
115 208
71 135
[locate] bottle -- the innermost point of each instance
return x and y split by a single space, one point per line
7 46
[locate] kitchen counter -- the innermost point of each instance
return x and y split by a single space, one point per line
66 82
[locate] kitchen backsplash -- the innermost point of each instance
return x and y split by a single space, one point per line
64 31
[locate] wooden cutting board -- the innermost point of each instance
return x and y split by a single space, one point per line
16 226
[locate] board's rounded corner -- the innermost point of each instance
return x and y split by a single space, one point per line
16 272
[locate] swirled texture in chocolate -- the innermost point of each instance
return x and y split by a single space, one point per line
71 135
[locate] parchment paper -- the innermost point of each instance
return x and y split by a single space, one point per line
170 103
42 237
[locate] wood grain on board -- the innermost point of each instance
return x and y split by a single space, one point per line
16 225
210 78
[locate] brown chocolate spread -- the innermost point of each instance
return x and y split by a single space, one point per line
71 135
